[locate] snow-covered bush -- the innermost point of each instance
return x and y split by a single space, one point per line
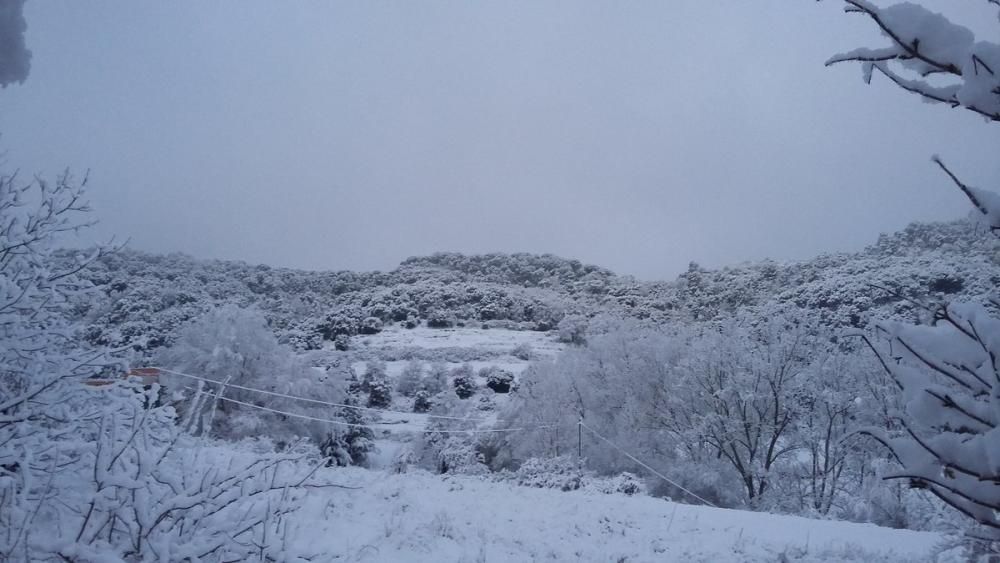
458 456
436 380
465 387
463 381
440 319
352 444
343 321
523 351
487 402
342 342
624 483
301 338
561 473
500 381
409 381
422 402
371 325
572 329
375 372
379 394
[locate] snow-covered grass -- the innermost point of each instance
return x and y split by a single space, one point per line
496 341
422 517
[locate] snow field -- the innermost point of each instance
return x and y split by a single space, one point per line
494 340
420 517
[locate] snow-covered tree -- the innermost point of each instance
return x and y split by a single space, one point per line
436 379
409 380
736 393
422 401
499 380
92 473
231 346
572 329
947 373
350 445
463 380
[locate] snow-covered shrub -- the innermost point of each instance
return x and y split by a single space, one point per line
572 329
458 456
409 381
375 382
500 381
343 321
523 351
422 401
436 380
624 483
450 354
561 473
440 319
711 479
342 342
301 338
892 503
487 402
349 445
371 325
463 381
379 395
375 372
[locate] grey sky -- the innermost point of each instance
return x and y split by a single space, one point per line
634 135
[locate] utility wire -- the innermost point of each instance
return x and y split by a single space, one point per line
317 401
655 472
374 426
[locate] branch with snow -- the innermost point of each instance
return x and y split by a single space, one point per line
926 44
986 202
949 377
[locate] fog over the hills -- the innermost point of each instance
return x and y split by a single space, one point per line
638 136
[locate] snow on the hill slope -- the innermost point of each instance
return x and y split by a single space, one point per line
421 517
495 339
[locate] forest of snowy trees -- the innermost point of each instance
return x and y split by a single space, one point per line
857 386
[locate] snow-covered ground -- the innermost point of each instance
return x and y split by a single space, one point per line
495 340
421 517
495 346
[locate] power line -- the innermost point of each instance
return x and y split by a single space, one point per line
655 472
580 424
370 426
317 401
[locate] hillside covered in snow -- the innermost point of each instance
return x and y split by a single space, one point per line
147 297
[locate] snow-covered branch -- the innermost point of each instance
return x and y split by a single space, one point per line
928 44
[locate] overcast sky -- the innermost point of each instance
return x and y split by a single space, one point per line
635 135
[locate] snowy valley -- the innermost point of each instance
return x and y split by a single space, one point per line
492 407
